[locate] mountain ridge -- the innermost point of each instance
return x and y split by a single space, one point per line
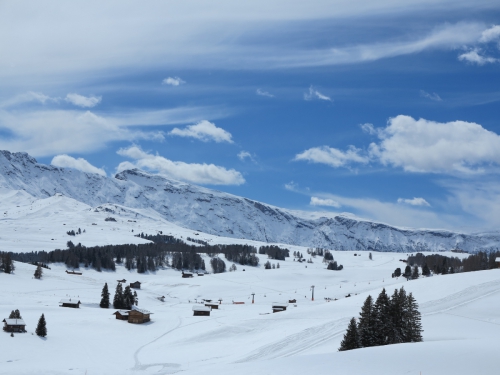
223 214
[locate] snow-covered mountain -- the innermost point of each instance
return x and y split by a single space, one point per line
223 214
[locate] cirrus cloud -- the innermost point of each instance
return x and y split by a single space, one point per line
83 101
414 202
66 161
328 202
208 174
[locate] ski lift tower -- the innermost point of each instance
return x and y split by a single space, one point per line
312 289
253 295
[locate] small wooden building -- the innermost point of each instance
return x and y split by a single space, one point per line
212 305
201 310
186 274
201 274
121 314
14 325
136 285
73 273
292 301
279 306
70 303
139 316
497 261
122 281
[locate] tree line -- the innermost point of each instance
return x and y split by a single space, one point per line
383 322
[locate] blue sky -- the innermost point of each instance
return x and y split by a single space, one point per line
384 111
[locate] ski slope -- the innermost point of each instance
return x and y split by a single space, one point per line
460 318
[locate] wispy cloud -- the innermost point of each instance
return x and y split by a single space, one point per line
474 57
315 94
66 161
27 97
242 155
264 93
191 172
414 202
83 101
332 156
204 131
490 35
432 96
173 81
315 201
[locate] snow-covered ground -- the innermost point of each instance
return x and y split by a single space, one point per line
461 322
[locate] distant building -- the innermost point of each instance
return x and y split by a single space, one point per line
186 274
212 305
139 316
121 314
201 310
136 285
70 303
279 306
14 325
122 281
73 273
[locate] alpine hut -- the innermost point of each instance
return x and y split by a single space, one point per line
70 303
138 316
201 310
136 285
121 314
279 306
14 325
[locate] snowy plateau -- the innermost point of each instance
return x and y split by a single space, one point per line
39 204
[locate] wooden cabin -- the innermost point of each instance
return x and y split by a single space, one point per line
122 281
139 316
14 325
136 285
201 274
497 261
186 274
73 273
292 301
212 305
70 303
121 314
279 306
201 310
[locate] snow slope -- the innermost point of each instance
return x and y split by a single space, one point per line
217 213
460 321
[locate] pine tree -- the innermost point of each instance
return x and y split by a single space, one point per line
105 297
425 270
382 309
413 323
415 274
118 301
370 256
15 314
351 337
38 272
397 302
367 324
136 298
41 328
128 298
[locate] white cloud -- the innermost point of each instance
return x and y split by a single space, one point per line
83 101
490 35
432 96
66 161
204 131
173 81
474 57
242 155
414 202
292 186
368 128
429 146
315 94
264 93
332 156
30 96
52 132
197 173
315 201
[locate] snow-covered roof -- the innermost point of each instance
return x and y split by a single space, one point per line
122 312
202 308
14 322
143 311
280 304
497 259
70 301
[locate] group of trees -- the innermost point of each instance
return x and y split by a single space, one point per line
74 233
274 252
383 322
218 265
6 263
242 254
269 266
332 265
188 260
123 299
38 272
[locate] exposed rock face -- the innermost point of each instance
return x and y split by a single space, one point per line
219 213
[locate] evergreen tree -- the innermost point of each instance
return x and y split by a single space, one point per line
128 298
38 272
425 270
397 272
407 273
383 319
413 322
398 301
15 314
41 328
118 301
351 337
7 265
105 297
367 328
370 256
415 274
136 298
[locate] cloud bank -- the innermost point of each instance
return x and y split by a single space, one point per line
66 161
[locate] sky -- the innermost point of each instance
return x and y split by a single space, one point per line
385 111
